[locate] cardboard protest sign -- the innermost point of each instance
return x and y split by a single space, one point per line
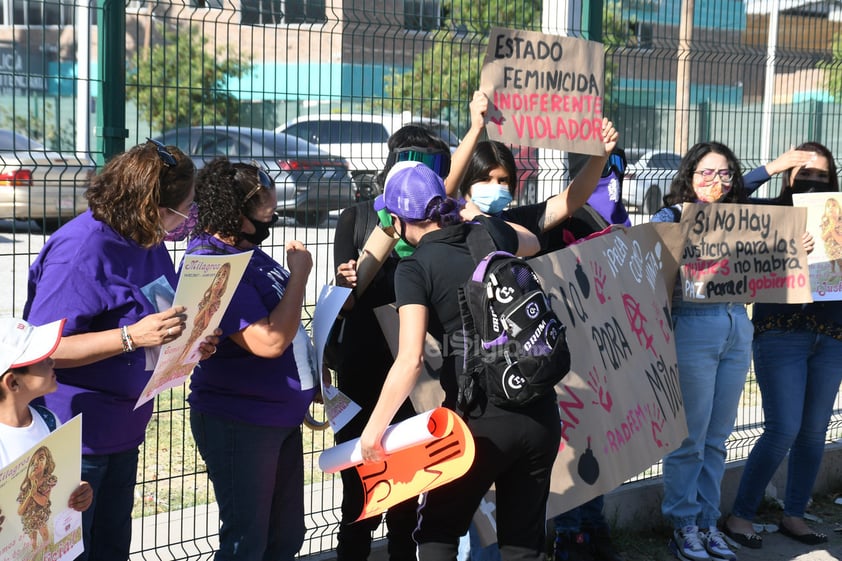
427 393
621 407
339 408
744 253
544 90
824 222
205 287
423 453
32 531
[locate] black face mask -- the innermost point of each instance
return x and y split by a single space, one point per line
261 230
810 186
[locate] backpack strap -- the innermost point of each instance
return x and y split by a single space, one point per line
480 243
48 416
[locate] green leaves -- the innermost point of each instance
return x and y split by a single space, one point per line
178 82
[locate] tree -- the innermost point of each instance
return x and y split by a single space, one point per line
177 82
833 75
444 77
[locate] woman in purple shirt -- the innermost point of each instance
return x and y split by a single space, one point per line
248 401
109 273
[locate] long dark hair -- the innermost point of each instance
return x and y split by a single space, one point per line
488 156
681 189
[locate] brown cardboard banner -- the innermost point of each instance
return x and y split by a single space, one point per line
744 253
544 90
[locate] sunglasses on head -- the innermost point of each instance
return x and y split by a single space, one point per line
433 158
616 162
165 155
263 180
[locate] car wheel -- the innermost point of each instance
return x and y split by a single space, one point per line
652 200
311 218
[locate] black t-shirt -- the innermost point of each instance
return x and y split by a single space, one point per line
362 336
432 275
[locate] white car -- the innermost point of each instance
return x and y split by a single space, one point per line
648 177
40 184
361 139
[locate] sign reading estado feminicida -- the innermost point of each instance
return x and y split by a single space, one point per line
544 90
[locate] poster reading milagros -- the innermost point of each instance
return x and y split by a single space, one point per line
30 530
544 90
205 287
824 222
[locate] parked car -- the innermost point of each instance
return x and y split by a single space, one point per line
40 184
309 182
648 177
361 139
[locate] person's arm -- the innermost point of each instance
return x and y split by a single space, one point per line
563 205
399 382
792 158
460 158
270 336
87 348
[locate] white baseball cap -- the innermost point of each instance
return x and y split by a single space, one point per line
22 343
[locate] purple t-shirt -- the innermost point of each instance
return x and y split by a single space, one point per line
238 385
95 278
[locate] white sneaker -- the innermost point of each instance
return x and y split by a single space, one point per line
687 544
716 545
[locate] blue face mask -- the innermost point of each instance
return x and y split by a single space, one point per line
491 198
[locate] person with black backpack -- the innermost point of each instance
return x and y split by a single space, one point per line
515 447
357 349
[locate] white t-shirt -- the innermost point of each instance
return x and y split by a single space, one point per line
16 441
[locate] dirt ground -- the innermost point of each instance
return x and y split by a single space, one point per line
652 546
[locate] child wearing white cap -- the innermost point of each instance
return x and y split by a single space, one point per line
26 373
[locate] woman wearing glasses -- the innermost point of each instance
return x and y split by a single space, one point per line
713 344
797 357
109 273
248 401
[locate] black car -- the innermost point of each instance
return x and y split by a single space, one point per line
309 182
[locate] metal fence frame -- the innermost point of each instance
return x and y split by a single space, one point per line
48 84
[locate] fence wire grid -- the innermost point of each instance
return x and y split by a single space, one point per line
78 79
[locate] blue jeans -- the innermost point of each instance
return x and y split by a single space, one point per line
258 477
713 343
799 373
107 524
587 516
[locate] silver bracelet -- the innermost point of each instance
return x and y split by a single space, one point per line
128 344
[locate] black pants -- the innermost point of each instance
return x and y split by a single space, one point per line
354 538
515 451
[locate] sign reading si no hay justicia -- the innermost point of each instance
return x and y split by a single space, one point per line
544 90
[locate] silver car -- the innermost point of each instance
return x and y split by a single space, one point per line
39 184
309 182
648 177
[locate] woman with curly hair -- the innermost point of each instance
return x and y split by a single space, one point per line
713 344
248 401
99 271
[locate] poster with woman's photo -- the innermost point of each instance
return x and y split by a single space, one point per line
205 287
824 222
35 522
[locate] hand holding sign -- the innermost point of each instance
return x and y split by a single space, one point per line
545 90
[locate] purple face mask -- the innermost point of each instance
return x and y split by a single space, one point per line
187 225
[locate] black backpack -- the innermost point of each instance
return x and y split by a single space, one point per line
514 346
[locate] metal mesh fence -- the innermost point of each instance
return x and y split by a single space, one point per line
344 74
